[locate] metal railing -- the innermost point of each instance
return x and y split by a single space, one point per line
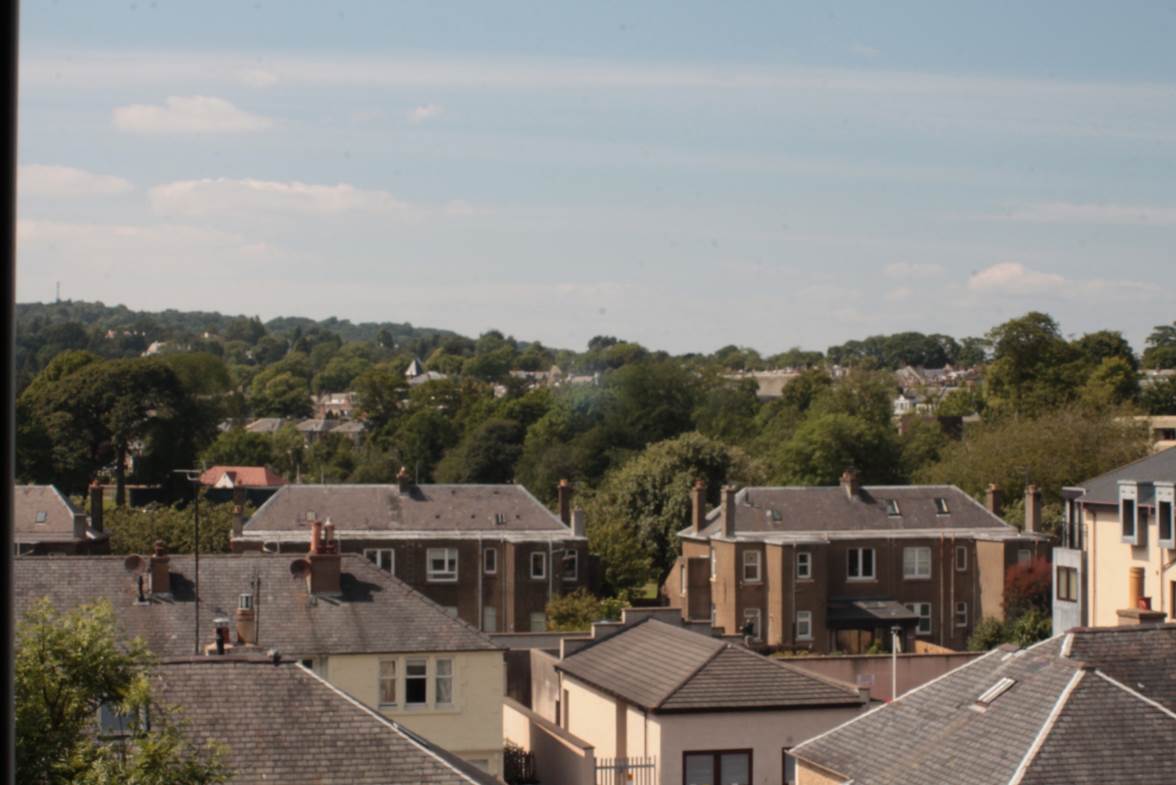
626 771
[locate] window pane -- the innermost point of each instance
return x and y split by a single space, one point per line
388 681
734 768
853 563
444 681
789 770
415 682
700 770
867 562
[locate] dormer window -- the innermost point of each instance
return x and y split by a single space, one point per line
42 516
1129 513
941 506
892 507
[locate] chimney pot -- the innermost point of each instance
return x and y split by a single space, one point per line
316 536
1135 587
698 506
851 482
728 513
565 502
992 499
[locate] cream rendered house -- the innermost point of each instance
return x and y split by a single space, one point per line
1118 549
352 623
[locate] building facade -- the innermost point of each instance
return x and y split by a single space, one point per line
838 568
492 555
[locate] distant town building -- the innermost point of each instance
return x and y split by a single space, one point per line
44 521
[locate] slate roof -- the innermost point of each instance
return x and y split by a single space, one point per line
265 425
283 724
425 509
243 476
664 668
376 612
1062 721
1104 489
33 501
805 511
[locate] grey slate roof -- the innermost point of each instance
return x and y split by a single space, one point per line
425 508
1104 488
377 613
31 501
1062 721
768 512
664 668
283 724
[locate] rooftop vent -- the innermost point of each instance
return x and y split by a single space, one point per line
941 506
995 691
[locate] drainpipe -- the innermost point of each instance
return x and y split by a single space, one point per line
480 566
550 572
942 542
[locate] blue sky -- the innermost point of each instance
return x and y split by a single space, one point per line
681 174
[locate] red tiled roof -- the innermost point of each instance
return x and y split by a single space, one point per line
244 476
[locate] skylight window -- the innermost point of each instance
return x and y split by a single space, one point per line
892 507
42 516
995 691
941 506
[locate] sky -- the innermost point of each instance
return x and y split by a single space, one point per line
683 174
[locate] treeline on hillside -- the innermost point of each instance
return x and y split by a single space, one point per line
632 441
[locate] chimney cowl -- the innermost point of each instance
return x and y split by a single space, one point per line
851 482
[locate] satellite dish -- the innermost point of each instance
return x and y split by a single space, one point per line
299 568
134 564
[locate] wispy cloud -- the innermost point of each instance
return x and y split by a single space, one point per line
64 182
197 114
1013 278
238 196
912 270
425 112
1074 213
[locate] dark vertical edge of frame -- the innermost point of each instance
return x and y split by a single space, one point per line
8 734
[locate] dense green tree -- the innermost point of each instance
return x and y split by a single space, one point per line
1158 397
577 610
421 440
1160 351
280 395
1033 367
66 666
651 401
920 444
486 455
137 529
727 410
1106 344
379 392
238 447
825 445
1112 383
973 352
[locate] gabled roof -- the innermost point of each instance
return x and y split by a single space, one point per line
41 513
265 425
283 724
1158 467
1059 719
376 612
382 509
782 512
664 668
243 476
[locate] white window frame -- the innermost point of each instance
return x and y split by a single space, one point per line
756 562
756 616
490 561
440 678
1129 495
861 576
410 663
447 575
804 625
542 574
383 678
572 556
912 567
918 607
489 619
1059 571
961 614
1165 502
804 565
382 555
961 565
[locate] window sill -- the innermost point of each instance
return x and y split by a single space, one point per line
441 580
572 579
538 577
805 580
861 580
916 578
758 582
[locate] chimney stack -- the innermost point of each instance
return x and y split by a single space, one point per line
160 577
1032 509
404 481
565 502
96 498
238 511
698 507
246 620
992 499
579 523
851 482
728 512
325 562
220 626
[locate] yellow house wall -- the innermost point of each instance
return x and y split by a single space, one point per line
636 739
1110 562
592 716
990 567
470 728
808 774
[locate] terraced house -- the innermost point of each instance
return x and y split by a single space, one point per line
353 624
836 568
491 555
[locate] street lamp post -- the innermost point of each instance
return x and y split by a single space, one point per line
193 476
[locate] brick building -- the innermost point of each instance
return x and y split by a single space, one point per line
44 522
492 555
835 568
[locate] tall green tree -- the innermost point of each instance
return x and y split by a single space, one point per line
1160 351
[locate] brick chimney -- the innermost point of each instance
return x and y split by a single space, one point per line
1032 509
246 619
992 499
851 482
728 511
325 562
579 523
158 570
698 506
404 481
238 511
565 502
96 498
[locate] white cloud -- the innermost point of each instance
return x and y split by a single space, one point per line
231 196
1116 214
425 112
196 114
1013 278
912 270
63 182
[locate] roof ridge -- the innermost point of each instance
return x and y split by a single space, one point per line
1046 728
801 671
1151 701
1109 472
689 678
